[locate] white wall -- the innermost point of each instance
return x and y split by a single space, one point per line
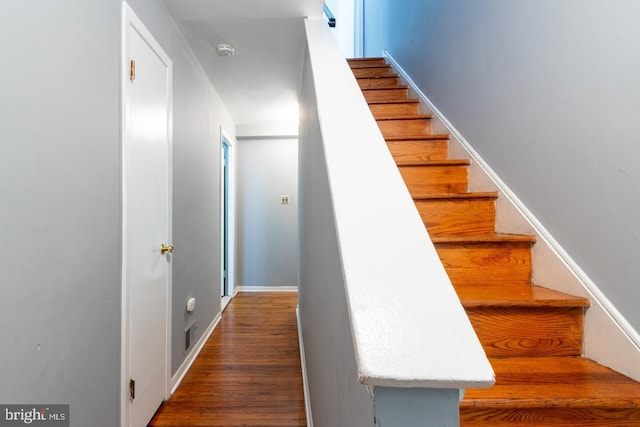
267 253
336 396
345 13
548 93
60 206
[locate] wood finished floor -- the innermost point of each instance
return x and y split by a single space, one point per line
248 373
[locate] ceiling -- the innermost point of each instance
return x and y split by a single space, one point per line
260 83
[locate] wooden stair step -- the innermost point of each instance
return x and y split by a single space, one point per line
394 107
486 258
372 71
482 239
430 137
552 391
378 81
366 62
434 163
434 176
524 296
386 93
419 149
394 101
524 320
458 213
405 125
389 99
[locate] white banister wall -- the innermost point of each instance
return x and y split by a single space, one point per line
380 322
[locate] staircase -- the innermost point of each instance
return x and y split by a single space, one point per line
532 335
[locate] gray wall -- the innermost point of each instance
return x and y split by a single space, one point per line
60 206
336 396
411 407
267 231
61 200
198 113
548 93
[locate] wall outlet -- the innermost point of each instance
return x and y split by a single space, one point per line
284 200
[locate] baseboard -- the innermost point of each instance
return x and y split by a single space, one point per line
186 365
609 338
305 382
224 302
265 289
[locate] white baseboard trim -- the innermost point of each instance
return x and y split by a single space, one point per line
600 301
305 382
186 365
265 289
224 302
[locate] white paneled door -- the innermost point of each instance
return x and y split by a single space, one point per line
147 246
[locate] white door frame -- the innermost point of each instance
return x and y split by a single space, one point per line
130 19
231 170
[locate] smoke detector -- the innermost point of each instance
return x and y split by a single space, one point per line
225 49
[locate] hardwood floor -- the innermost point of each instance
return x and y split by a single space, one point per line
248 373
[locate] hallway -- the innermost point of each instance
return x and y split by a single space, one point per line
248 373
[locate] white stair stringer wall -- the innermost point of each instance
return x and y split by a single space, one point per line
608 338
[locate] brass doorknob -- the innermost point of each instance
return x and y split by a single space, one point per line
164 249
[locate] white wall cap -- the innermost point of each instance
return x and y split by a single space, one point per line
409 328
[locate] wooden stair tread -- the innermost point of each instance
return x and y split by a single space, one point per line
430 137
547 382
484 238
386 88
382 67
444 162
394 101
364 72
466 196
516 296
406 117
375 81
373 59
364 65
389 76
389 101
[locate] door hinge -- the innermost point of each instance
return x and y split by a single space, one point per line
132 389
132 70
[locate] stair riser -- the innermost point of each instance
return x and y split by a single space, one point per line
385 94
434 179
373 82
419 150
389 110
372 72
552 417
405 128
458 216
528 331
498 263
